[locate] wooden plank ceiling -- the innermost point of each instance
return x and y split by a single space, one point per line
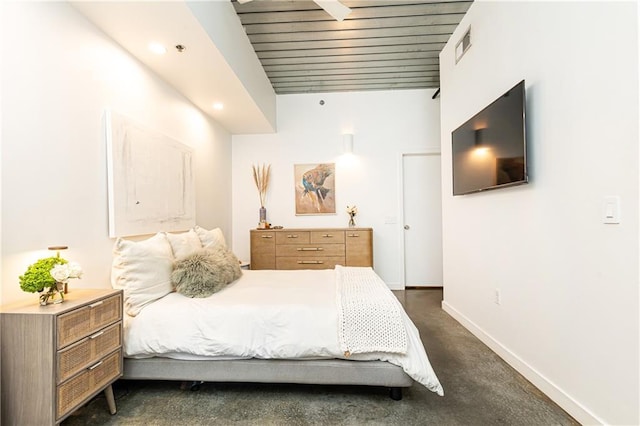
381 45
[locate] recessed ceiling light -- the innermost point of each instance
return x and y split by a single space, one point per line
218 105
157 48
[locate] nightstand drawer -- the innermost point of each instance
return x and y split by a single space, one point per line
105 311
83 386
88 351
87 320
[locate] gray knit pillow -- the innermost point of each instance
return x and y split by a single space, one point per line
205 272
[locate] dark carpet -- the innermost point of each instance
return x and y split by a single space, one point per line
480 389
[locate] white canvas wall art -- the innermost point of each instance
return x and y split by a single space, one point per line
150 180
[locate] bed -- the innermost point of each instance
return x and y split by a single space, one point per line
339 327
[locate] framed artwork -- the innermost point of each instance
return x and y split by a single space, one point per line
150 180
315 188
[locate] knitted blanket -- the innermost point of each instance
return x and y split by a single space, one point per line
369 317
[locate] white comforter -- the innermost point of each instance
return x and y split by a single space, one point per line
264 314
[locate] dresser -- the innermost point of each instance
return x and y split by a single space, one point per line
311 248
55 358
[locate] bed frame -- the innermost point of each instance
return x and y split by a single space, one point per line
320 372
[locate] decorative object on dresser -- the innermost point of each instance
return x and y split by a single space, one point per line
56 358
352 211
49 276
313 248
261 176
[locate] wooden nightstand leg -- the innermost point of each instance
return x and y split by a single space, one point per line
111 401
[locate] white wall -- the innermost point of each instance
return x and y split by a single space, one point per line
385 125
221 22
569 283
59 73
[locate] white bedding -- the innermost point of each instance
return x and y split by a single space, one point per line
265 314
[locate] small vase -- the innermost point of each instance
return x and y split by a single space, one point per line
352 223
263 214
51 296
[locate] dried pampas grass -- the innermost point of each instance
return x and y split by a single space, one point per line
261 178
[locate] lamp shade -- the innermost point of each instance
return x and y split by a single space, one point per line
57 249
347 143
479 137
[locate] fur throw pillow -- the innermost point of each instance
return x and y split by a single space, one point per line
205 272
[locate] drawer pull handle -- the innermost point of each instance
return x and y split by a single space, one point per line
266 236
94 366
310 249
93 305
98 334
327 236
354 235
292 236
310 262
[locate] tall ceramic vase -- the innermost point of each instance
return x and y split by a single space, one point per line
263 214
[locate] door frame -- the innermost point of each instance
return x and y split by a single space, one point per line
433 151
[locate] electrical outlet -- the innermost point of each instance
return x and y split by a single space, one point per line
496 296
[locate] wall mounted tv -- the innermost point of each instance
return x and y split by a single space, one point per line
489 151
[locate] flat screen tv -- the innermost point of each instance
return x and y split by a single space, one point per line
489 151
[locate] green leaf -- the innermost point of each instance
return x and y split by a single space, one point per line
37 276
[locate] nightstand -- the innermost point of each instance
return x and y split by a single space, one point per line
57 357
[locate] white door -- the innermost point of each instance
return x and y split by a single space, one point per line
422 205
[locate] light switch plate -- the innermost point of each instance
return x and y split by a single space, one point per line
611 209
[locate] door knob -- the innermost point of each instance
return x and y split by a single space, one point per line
407 227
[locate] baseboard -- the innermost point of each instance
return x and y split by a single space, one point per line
557 395
395 286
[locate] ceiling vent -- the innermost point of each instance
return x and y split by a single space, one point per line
463 45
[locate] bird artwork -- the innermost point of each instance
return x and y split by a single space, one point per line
315 189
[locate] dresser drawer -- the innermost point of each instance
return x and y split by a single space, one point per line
263 245
309 250
309 263
264 239
87 320
359 245
324 237
292 237
93 379
88 351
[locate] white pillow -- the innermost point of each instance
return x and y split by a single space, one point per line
210 239
184 243
143 270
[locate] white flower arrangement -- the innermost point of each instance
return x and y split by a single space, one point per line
352 211
63 272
